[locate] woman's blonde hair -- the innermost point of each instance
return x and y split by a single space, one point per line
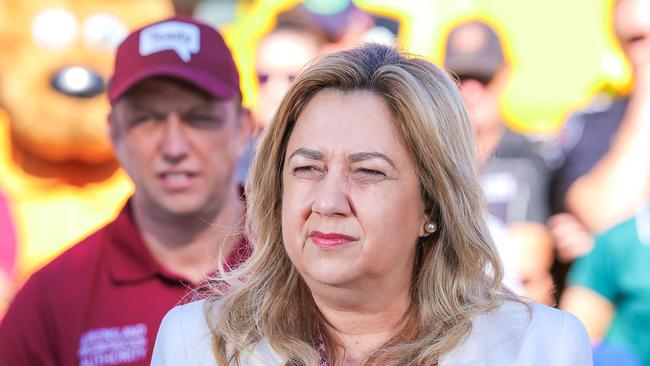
457 273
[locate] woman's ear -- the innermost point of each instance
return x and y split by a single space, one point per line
427 227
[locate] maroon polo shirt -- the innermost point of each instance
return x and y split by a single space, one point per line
98 303
7 239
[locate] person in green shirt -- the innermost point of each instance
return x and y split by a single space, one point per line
609 288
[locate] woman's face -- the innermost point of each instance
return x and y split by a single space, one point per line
351 205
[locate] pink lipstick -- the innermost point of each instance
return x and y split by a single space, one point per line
330 240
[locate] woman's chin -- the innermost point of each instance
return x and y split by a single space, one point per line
325 279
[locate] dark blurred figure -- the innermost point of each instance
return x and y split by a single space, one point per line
515 177
605 174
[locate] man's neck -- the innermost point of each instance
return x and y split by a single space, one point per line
189 245
488 142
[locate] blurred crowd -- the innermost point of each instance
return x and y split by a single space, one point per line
568 211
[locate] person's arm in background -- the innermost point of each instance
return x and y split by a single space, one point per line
592 284
571 238
534 253
595 311
620 182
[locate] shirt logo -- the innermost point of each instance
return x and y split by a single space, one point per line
113 345
182 38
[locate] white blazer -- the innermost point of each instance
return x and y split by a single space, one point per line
505 336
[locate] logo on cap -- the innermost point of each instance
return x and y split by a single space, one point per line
182 38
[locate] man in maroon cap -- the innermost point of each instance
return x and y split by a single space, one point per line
178 128
514 175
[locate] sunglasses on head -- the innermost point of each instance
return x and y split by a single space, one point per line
263 78
482 79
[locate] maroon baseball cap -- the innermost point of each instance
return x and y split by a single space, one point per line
474 50
180 48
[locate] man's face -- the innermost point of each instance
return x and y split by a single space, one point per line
179 146
632 25
280 57
482 97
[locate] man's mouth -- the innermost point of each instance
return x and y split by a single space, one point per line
176 180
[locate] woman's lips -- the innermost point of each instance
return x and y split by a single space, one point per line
330 240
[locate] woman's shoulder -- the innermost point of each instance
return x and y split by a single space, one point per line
184 337
523 334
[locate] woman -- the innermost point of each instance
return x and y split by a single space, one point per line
369 245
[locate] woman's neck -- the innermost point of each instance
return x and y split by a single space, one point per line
360 321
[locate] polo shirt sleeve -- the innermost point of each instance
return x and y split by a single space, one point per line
26 330
598 270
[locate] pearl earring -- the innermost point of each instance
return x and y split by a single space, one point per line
430 227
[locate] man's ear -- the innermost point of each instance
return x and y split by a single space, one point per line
112 126
245 130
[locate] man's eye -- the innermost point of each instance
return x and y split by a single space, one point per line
200 120
147 117
140 118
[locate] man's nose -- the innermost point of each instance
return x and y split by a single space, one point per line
175 145
332 196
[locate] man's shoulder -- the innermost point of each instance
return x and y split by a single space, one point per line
77 260
602 122
623 236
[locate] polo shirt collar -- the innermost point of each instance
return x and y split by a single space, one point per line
128 258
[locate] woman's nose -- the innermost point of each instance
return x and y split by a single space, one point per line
332 196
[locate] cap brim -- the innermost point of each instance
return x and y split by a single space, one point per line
206 82
464 67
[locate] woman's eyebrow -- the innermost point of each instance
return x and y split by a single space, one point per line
308 153
367 155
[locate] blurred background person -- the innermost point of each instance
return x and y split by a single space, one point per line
279 57
609 290
178 127
604 175
514 176
605 179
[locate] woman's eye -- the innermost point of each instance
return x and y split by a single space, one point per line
368 174
307 171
